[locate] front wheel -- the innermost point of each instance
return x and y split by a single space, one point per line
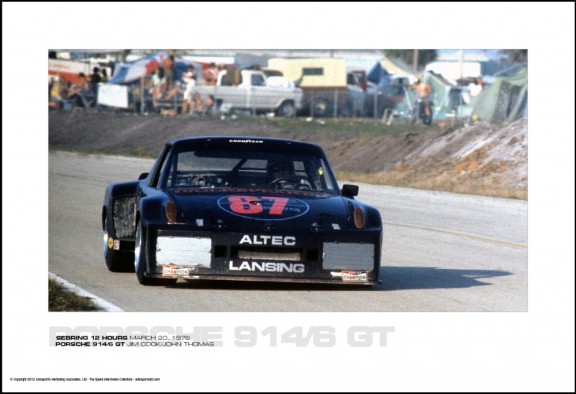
116 260
141 262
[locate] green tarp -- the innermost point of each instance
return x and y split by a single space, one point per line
505 100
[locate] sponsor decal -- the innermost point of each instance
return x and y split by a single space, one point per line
246 141
265 266
263 207
274 240
110 242
353 276
172 270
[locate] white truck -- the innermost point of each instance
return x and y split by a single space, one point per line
255 93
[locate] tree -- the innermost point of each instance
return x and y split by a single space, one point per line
424 56
516 55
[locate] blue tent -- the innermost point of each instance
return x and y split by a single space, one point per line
130 72
378 75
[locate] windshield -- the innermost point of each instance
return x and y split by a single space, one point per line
256 170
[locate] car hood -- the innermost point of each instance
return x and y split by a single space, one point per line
263 211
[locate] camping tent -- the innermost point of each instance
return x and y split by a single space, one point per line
505 100
129 72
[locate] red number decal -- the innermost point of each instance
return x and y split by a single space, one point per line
278 205
250 205
245 204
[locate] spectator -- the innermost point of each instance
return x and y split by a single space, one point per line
424 90
211 75
158 86
62 86
104 76
475 87
95 79
80 93
191 100
50 86
169 65
232 76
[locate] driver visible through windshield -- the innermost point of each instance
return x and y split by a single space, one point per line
249 170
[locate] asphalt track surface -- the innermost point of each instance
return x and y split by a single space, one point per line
442 252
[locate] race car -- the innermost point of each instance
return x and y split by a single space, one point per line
238 208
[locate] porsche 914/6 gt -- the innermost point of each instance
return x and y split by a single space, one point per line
241 208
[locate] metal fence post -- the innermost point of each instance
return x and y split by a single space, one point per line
375 108
142 95
175 100
311 104
335 103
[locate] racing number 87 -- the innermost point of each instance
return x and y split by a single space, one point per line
251 205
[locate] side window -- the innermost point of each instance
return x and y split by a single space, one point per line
160 166
352 80
319 71
257 80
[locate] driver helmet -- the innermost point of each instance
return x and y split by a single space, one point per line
279 168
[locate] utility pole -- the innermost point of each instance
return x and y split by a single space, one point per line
461 63
415 60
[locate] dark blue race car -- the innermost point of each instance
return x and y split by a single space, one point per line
237 208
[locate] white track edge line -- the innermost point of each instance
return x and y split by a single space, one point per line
100 302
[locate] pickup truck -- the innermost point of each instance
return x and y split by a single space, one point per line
255 93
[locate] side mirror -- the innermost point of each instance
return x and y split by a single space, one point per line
143 176
350 190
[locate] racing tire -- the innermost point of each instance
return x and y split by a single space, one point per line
320 107
287 109
141 262
116 260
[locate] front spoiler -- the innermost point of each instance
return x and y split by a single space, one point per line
191 278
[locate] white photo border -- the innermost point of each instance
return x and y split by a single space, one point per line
532 351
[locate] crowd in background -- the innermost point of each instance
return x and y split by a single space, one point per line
83 92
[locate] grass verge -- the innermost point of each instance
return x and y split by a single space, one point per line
63 300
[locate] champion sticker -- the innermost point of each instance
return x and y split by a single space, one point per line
172 270
263 207
353 276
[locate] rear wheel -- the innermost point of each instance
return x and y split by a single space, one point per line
116 260
320 107
287 109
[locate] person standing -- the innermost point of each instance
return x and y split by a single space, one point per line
169 66
424 90
104 76
95 79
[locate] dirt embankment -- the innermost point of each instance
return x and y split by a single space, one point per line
478 159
